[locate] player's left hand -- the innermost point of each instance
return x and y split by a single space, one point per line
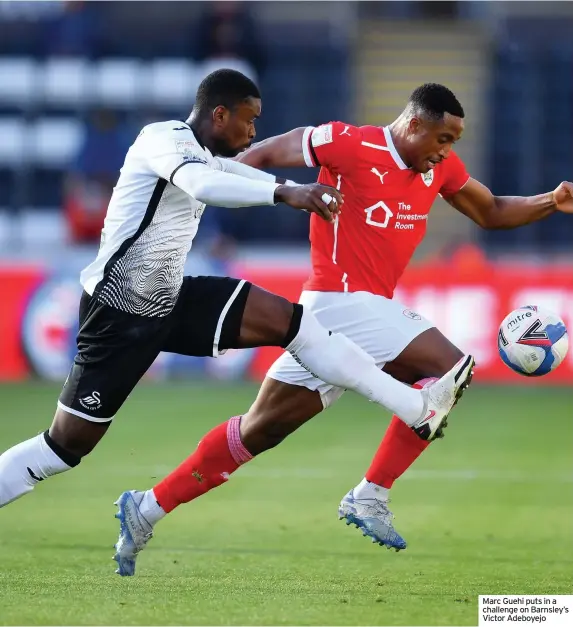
563 197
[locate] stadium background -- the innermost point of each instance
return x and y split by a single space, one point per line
77 81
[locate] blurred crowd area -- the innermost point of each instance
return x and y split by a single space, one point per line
79 79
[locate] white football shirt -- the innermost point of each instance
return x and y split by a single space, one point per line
166 181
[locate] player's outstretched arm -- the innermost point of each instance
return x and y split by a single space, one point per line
241 169
280 151
175 156
224 189
478 203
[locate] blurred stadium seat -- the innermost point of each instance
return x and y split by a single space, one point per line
19 79
171 84
211 65
55 142
13 143
65 83
116 83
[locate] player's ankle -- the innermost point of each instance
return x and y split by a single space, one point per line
369 490
150 508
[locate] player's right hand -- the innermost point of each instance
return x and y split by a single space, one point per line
315 198
563 197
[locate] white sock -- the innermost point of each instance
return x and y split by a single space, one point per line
333 358
150 508
26 464
368 490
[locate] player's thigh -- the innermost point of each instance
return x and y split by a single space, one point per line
381 327
404 343
115 349
268 320
384 328
208 316
429 354
214 314
370 322
279 410
339 313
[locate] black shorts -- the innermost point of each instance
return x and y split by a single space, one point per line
115 348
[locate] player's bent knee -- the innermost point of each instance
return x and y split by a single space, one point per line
76 435
267 319
447 360
430 354
286 322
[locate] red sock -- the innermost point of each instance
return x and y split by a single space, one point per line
217 456
399 449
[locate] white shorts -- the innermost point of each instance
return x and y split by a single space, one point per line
381 327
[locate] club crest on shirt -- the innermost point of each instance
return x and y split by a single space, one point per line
189 151
428 177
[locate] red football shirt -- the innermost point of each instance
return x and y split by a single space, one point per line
385 211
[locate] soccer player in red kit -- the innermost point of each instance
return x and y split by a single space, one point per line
390 177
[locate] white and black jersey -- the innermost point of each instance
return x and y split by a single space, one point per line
136 301
149 226
167 179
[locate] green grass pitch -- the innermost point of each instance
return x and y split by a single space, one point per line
488 510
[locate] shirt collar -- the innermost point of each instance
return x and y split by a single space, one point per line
392 148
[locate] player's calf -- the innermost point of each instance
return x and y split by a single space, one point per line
216 457
366 504
427 357
279 410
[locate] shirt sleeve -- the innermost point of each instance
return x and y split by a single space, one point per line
242 169
455 176
333 146
222 189
168 150
175 155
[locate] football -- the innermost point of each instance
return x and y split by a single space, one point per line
532 341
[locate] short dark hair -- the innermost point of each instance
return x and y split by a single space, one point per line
434 100
225 87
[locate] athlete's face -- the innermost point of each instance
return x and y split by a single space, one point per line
236 127
430 141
